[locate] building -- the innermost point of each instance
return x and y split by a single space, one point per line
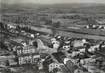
26 50
79 43
11 26
27 55
66 47
54 65
28 59
59 56
55 43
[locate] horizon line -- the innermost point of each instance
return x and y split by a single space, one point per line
54 3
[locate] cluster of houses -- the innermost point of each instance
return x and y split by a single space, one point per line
64 55
95 27
20 30
27 54
24 54
75 54
71 55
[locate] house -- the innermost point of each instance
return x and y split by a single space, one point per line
59 56
70 64
102 45
91 26
101 27
26 50
27 54
23 43
40 64
11 26
55 43
31 35
53 40
89 64
54 65
28 59
79 43
66 47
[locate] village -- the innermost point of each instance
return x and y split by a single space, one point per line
52 36
48 53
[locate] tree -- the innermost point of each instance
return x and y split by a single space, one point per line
57 24
3 46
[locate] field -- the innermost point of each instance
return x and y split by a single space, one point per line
67 14
58 16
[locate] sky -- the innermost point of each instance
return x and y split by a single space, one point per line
54 1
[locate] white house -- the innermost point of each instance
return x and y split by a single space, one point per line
55 43
26 50
66 47
11 26
54 65
28 59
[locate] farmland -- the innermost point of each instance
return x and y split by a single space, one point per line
57 15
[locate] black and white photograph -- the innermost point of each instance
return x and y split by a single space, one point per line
52 36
